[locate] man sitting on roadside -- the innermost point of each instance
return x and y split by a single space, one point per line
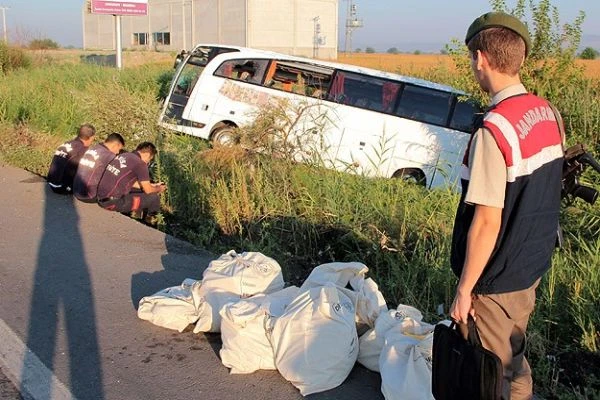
66 160
125 185
93 165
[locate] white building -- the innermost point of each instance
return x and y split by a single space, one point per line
297 27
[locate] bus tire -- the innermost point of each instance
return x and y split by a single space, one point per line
412 175
224 135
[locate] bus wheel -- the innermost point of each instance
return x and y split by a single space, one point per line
225 135
412 175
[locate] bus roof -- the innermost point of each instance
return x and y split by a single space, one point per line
257 53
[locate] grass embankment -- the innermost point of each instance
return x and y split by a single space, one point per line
303 215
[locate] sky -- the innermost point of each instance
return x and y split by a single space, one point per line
408 25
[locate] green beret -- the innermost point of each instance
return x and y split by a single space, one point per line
499 20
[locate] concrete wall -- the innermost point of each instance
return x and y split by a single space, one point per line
288 26
220 21
98 31
285 26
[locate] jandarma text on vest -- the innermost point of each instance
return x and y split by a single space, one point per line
533 117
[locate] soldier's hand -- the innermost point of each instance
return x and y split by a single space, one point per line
461 307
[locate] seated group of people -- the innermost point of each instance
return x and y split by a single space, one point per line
105 174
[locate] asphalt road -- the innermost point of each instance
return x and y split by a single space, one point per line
71 276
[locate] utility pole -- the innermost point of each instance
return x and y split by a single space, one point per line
3 8
184 26
119 47
352 22
193 12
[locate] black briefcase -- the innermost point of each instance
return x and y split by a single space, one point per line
462 368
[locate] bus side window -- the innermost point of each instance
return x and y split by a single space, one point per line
269 82
251 71
425 105
225 70
299 78
389 93
462 117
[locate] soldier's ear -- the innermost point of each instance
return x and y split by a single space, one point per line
480 59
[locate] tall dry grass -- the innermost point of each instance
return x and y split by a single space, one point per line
418 64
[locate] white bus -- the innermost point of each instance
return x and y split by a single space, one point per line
379 124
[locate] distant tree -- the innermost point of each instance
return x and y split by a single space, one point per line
43 44
359 50
392 50
444 51
370 50
417 52
589 54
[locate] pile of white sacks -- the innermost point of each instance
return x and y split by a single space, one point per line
309 333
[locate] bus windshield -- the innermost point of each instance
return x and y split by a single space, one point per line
189 75
186 78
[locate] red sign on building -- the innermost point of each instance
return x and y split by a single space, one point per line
128 7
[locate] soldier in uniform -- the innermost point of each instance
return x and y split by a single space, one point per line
125 185
507 220
93 164
66 160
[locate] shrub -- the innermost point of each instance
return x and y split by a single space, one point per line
164 84
43 44
12 58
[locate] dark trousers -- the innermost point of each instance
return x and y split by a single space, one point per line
148 203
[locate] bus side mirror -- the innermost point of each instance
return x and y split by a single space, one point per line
179 58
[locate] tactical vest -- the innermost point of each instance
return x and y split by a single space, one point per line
527 133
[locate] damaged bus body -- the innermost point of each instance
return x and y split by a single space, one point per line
379 124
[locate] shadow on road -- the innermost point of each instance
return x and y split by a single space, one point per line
182 260
179 262
62 301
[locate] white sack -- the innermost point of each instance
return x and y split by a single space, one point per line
244 325
173 308
371 342
370 301
405 361
338 273
315 341
232 277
